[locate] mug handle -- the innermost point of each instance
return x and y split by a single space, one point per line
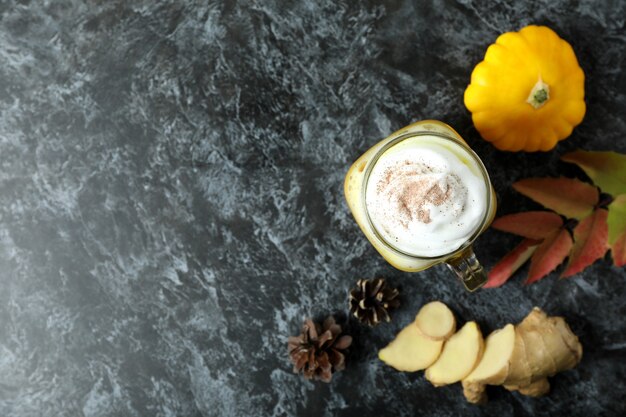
468 269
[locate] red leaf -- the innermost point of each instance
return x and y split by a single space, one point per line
550 253
590 242
618 249
511 262
531 224
567 196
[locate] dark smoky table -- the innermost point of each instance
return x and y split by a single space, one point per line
172 208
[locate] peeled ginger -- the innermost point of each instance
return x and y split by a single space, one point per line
520 357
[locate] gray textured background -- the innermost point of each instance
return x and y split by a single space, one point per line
171 205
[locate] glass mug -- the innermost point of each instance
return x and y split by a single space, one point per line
359 186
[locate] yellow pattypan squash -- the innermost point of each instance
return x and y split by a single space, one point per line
529 91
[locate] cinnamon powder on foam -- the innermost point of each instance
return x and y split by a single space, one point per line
414 194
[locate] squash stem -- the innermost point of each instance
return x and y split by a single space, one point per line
539 94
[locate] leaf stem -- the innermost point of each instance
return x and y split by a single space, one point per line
604 201
570 224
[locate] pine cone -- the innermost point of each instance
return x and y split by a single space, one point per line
317 351
371 300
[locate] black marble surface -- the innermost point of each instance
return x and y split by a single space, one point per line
171 202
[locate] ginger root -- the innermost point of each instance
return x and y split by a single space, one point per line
538 348
520 358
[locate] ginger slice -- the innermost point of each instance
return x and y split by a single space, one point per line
436 321
460 355
519 369
411 351
494 365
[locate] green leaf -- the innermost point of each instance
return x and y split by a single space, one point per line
530 224
617 229
567 196
606 169
618 250
550 254
617 218
511 262
590 242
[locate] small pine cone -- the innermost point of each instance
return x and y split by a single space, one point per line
371 301
317 351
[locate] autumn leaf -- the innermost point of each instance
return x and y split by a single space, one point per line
567 196
590 242
617 229
606 169
507 266
550 254
617 217
547 241
618 250
531 224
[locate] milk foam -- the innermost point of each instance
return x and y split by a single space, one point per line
426 196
